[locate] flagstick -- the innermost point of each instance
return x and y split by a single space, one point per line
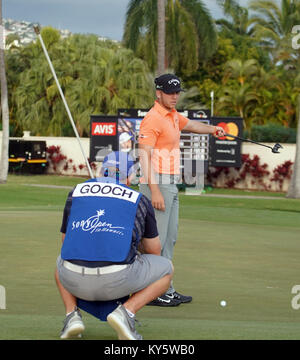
37 31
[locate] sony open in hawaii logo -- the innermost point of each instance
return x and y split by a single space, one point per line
95 224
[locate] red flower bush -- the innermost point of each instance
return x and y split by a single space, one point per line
282 172
253 169
56 158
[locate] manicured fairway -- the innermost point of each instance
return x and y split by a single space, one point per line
244 251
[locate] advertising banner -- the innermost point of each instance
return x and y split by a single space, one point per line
226 151
103 136
120 132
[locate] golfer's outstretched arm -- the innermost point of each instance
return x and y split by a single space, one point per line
200 128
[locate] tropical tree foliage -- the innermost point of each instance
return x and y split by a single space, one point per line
237 27
254 71
294 186
272 26
190 33
161 36
97 77
246 58
4 109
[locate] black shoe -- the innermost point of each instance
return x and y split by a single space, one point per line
182 298
164 300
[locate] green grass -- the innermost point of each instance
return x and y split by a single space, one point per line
245 251
45 180
240 192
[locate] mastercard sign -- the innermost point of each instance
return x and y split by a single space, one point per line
225 151
230 128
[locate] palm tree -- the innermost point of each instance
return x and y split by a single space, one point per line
238 21
97 77
275 99
294 186
189 99
4 108
266 87
272 25
239 70
238 100
161 34
238 27
239 95
190 33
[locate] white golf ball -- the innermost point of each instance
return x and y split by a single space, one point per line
223 303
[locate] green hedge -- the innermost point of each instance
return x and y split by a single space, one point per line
271 133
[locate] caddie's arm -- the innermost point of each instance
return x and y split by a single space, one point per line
199 128
150 246
145 154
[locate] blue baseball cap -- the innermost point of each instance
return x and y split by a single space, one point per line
118 161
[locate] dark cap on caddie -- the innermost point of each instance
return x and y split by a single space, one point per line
168 83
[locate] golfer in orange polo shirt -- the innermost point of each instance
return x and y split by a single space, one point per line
159 154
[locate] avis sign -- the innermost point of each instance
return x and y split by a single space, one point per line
104 129
103 136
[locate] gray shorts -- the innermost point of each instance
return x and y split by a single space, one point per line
145 270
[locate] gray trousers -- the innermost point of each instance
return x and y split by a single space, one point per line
167 221
145 270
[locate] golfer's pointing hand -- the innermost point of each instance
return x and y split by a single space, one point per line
219 131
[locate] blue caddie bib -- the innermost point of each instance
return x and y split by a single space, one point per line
101 222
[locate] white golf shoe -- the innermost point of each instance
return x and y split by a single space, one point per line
123 324
73 325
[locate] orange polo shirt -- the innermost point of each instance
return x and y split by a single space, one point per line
161 129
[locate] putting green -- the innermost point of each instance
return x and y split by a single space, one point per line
244 251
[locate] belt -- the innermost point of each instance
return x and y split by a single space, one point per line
93 271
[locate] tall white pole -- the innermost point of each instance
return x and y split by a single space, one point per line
37 31
212 103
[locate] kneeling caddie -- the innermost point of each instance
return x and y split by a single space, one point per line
110 250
